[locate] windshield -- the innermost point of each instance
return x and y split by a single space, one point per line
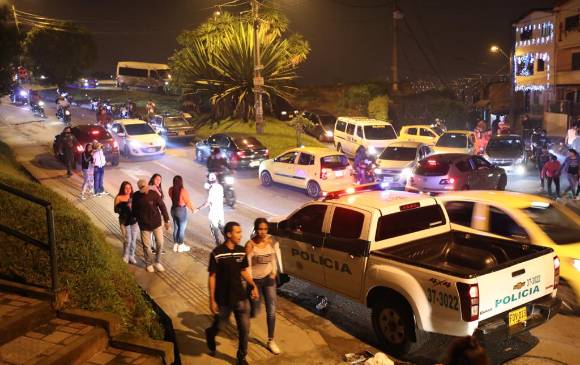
247 142
505 144
556 223
456 140
176 122
138 129
438 130
380 132
399 154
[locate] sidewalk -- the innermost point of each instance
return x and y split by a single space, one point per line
181 291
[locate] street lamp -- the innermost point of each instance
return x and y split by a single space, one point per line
496 49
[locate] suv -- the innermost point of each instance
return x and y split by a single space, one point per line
352 133
420 133
312 168
397 253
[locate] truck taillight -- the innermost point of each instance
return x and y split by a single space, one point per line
469 296
556 271
323 174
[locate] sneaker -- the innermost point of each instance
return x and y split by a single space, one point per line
159 267
183 248
175 247
210 341
273 347
150 268
125 259
133 260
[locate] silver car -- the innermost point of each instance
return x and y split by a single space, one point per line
395 164
455 171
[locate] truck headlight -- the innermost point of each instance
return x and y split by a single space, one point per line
406 173
576 264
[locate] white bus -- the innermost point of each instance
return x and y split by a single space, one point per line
154 76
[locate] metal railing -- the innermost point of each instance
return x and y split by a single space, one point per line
50 245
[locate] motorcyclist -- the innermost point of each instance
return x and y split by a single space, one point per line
33 98
363 164
131 108
216 163
441 124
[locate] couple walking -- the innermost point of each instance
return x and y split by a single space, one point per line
257 265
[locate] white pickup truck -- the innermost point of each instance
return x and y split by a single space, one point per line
396 253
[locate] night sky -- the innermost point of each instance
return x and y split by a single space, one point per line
350 39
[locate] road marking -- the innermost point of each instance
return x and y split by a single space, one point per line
256 208
166 167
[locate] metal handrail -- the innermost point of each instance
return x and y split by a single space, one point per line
49 246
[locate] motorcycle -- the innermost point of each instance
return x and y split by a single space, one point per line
64 115
226 179
19 96
365 171
38 109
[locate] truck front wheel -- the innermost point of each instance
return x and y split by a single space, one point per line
394 325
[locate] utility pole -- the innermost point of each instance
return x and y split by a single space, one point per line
397 15
15 18
258 79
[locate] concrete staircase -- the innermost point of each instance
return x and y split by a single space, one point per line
32 333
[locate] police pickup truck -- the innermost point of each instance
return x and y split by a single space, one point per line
396 253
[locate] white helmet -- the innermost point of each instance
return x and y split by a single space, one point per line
211 177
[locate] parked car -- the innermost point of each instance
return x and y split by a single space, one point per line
173 128
314 169
456 142
397 254
455 171
352 133
88 133
397 161
85 83
507 151
323 125
136 138
420 133
240 151
527 219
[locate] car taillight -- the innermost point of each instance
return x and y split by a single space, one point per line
241 154
80 148
447 181
556 272
94 132
469 296
323 173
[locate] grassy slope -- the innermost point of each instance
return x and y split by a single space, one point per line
89 268
278 136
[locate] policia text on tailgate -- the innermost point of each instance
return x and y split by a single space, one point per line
396 253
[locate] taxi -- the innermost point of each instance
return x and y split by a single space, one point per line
420 133
528 219
315 169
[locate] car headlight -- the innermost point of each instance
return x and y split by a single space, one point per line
23 93
372 150
135 144
41 103
521 170
406 173
576 264
283 112
229 180
329 133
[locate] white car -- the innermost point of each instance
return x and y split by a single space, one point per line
136 138
458 141
395 164
527 219
315 169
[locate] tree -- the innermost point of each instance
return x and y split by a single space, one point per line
61 52
378 107
10 49
217 58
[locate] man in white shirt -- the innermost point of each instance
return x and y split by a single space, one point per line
99 172
215 202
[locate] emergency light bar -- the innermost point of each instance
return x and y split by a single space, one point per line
328 195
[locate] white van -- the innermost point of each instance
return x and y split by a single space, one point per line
153 76
351 133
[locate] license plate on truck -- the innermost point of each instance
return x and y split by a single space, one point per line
519 315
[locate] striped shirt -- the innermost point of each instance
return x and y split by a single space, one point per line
227 265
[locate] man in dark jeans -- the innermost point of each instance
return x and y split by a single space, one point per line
67 149
228 264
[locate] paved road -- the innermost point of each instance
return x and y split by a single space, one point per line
557 341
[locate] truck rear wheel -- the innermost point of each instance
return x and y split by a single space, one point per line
394 325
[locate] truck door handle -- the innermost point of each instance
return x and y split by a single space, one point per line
518 273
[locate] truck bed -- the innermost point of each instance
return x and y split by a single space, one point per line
462 254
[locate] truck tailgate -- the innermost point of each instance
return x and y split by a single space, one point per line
512 287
